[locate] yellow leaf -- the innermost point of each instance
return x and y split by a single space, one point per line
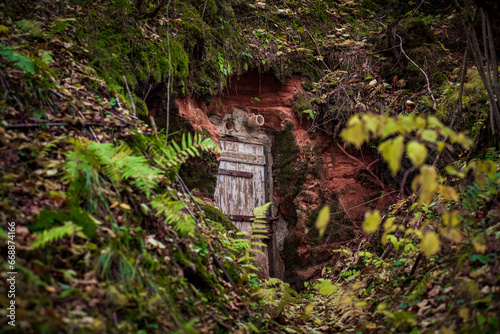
115 204
429 135
430 244
428 183
448 193
389 223
450 219
463 140
420 122
322 220
370 122
455 235
372 221
479 246
433 122
417 152
355 133
464 314
389 128
408 123
440 146
392 151
125 206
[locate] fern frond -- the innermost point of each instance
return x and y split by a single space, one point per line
33 27
21 61
266 294
69 229
50 146
89 160
173 155
47 57
171 211
271 282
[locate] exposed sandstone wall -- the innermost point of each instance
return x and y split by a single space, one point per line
310 170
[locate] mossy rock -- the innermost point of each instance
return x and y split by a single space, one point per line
141 107
216 215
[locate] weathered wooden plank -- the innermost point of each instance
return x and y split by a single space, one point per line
242 218
258 180
232 193
253 159
238 147
235 173
238 140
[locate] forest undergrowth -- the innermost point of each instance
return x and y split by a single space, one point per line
105 237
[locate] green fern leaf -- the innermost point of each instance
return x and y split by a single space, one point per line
69 229
33 27
22 62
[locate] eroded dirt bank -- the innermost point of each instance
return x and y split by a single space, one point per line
310 170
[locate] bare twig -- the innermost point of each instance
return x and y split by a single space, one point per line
145 97
347 214
90 127
460 90
458 108
416 9
153 124
421 70
130 95
204 8
365 166
493 56
403 182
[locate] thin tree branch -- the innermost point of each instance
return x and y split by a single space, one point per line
130 95
461 89
204 8
494 59
421 70
403 182
366 167
478 60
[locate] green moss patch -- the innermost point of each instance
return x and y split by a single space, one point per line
216 215
289 172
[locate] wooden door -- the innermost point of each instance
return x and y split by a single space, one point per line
241 185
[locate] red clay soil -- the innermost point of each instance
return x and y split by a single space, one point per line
274 101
